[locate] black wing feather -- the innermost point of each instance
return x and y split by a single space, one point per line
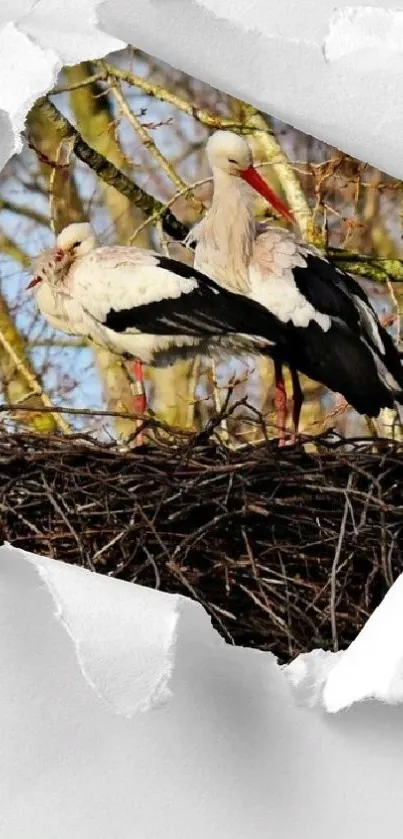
327 290
335 293
207 310
342 362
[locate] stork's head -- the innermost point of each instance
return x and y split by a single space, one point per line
230 153
75 241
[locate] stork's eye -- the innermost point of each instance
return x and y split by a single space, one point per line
76 244
231 160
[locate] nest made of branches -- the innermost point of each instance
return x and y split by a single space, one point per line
287 549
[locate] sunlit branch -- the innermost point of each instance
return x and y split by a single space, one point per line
149 144
107 171
160 92
23 374
11 249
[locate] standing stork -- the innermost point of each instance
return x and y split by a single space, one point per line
333 333
144 306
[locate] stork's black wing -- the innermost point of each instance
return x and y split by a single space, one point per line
207 310
335 293
330 291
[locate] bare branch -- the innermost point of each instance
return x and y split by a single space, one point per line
22 210
148 142
20 375
11 249
366 265
160 92
157 216
107 171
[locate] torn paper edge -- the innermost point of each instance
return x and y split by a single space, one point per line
42 24
234 16
43 42
160 690
159 694
367 670
372 666
40 83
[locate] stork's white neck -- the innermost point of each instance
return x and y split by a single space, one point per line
226 235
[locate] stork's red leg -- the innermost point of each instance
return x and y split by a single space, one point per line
297 402
139 399
280 402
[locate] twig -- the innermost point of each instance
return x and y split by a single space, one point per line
159 213
35 388
159 92
107 171
90 80
217 403
397 308
23 210
149 144
335 563
59 179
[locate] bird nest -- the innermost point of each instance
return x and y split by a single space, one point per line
286 548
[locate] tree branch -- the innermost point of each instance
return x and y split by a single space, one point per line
19 379
25 211
108 172
149 144
371 267
160 92
11 249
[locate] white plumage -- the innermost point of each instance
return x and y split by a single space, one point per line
142 305
273 284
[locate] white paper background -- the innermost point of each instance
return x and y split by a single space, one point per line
124 714
334 70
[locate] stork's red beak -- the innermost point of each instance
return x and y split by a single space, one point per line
34 282
58 254
252 177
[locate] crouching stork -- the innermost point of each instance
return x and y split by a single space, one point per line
144 306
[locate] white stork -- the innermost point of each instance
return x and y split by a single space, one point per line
332 332
144 306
